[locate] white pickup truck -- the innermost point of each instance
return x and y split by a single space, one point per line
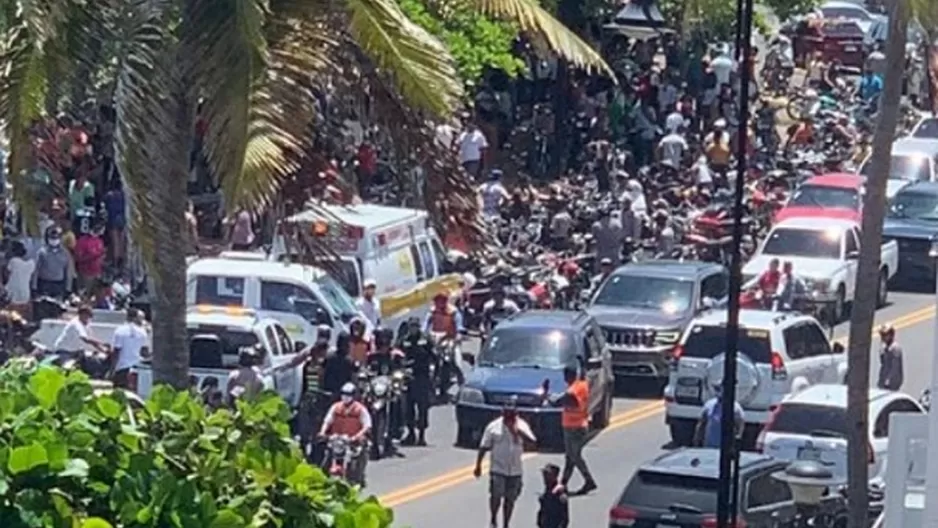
215 336
824 253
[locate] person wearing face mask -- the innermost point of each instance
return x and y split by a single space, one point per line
349 417
503 440
53 275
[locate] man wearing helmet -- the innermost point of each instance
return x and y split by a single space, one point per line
350 418
384 358
419 356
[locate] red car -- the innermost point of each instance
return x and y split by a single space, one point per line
836 195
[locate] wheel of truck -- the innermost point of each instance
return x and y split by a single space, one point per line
882 292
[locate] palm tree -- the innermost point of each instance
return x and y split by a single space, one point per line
253 62
868 272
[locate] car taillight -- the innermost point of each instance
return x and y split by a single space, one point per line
676 354
760 441
621 516
778 367
711 522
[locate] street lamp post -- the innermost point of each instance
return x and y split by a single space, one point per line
931 465
808 481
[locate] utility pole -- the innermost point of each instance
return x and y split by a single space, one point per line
726 501
868 271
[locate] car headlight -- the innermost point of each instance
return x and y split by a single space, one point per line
470 395
667 337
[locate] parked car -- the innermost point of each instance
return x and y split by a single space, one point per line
644 307
679 490
521 353
926 127
813 424
836 195
912 222
913 159
778 353
825 255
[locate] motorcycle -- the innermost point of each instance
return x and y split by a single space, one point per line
382 399
343 459
448 370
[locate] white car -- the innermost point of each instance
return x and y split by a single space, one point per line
914 159
813 424
824 253
779 353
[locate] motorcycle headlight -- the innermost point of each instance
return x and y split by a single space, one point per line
379 388
470 395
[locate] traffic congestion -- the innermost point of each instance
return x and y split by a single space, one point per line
567 372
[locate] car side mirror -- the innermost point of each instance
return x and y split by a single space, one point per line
707 303
838 348
853 255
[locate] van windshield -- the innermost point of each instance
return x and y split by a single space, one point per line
336 296
343 270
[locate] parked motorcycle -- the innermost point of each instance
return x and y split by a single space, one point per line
343 459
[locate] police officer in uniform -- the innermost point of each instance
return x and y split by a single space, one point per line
418 351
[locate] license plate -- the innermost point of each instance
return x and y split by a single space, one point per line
809 453
687 392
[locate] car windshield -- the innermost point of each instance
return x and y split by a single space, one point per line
335 295
343 270
707 342
529 347
823 196
911 204
653 490
927 129
844 12
654 293
808 243
910 167
809 419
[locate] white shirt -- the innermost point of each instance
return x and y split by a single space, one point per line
471 144
723 67
492 195
673 146
129 339
70 340
371 309
505 449
21 273
703 175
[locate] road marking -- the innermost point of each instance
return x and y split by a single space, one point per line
619 421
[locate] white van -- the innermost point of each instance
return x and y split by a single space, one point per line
395 246
298 296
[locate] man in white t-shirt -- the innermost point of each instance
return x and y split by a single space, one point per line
369 305
723 67
504 438
472 146
130 344
492 194
75 336
672 148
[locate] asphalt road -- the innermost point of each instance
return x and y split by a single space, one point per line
433 486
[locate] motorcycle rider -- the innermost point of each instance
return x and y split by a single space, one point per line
384 360
497 308
349 417
444 318
359 345
768 281
418 351
790 287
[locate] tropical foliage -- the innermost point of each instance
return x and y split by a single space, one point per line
475 40
74 456
256 64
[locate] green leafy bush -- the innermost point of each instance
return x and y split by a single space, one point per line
75 457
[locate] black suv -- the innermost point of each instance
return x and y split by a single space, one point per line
679 490
522 352
644 307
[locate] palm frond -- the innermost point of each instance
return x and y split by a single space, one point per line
534 19
420 65
144 135
23 86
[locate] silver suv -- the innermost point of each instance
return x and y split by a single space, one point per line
779 353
